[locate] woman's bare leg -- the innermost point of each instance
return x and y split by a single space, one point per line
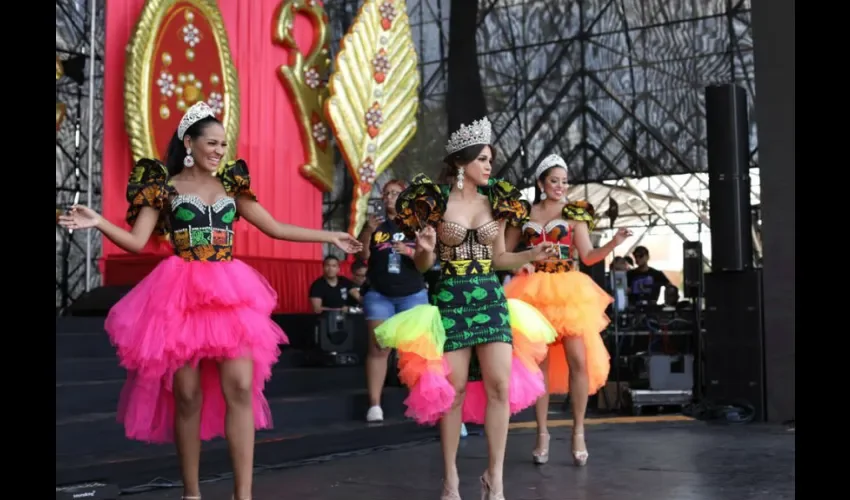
376 365
237 376
579 381
495 362
541 412
451 421
187 427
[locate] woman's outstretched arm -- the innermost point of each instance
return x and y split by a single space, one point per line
259 217
134 240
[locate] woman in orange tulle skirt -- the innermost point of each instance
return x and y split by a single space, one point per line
578 362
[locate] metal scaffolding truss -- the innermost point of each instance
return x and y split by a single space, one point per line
79 140
614 86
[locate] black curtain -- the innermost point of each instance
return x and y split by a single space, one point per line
465 99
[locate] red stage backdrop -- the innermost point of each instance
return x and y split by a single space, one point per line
269 141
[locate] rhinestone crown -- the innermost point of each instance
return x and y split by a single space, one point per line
550 161
198 111
477 133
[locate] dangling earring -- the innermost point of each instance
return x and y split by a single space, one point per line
188 161
460 178
542 196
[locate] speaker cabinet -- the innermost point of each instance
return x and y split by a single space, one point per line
727 134
335 332
692 269
734 340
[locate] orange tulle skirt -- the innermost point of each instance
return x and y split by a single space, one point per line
575 305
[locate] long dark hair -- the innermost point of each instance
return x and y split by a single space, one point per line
176 151
461 158
542 179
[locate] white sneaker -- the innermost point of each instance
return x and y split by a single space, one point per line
375 414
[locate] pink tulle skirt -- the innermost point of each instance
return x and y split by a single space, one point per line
196 314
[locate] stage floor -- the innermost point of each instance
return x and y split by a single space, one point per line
630 459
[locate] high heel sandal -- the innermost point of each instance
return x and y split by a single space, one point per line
541 457
580 456
487 493
449 494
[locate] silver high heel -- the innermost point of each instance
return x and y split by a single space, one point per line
541 457
580 457
487 493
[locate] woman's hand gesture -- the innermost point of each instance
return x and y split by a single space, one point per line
621 235
543 251
426 239
346 242
79 217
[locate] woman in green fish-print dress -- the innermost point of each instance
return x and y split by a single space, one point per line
473 355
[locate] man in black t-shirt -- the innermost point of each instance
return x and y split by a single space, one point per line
332 292
359 278
644 282
393 285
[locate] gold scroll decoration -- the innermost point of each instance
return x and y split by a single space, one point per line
60 106
374 96
304 79
178 55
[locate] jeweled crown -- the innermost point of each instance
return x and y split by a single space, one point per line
550 161
198 111
478 133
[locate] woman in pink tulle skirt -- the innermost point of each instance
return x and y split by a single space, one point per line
196 334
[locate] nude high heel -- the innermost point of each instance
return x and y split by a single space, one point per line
487 493
541 457
449 494
580 456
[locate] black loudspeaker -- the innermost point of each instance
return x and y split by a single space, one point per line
335 332
734 341
692 269
727 133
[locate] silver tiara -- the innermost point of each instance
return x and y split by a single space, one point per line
198 111
550 161
477 133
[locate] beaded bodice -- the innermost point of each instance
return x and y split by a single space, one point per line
556 231
200 231
197 231
560 232
460 243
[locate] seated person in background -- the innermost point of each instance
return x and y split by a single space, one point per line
358 277
331 292
645 282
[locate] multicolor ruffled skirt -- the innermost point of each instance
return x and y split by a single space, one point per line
469 310
575 305
192 314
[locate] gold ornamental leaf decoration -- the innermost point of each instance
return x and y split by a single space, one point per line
177 55
304 79
374 96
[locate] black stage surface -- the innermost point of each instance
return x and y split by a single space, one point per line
630 459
